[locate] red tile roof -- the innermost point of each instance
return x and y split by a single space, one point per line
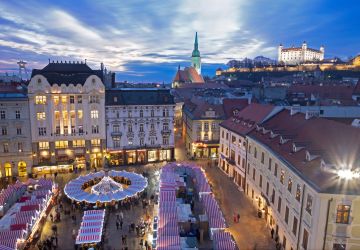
335 143
188 75
232 105
245 120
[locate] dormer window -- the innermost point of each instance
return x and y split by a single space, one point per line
272 134
283 140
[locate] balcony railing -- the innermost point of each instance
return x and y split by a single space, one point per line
116 133
166 132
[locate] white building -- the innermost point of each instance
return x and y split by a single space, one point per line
304 182
140 125
297 55
67 111
15 137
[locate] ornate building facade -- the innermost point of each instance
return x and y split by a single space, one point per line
67 114
15 137
139 125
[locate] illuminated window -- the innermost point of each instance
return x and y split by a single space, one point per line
65 118
56 100
282 176
78 143
95 142
57 115
343 214
40 116
40 99
64 99
290 185
94 114
44 145
298 192
80 114
61 144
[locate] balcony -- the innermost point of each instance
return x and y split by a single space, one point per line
116 133
130 134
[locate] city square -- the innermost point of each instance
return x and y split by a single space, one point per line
179 125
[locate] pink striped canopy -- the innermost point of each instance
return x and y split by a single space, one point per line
223 240
213 212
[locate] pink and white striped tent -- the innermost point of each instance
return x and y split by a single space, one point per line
168 243
88 238
223 240
90 224
91 227
212 209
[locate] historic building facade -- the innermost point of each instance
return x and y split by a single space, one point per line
67 114
139 125
297 55
15 137
303 182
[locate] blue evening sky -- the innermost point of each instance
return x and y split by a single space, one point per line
146 40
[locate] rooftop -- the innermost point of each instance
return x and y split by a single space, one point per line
138 96
319 141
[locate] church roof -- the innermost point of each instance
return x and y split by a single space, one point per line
188 75
196 52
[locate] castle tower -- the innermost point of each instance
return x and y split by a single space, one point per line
195 57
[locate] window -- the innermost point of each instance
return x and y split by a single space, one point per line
64 99
213 126
94 114
2 114
17 114
152 141
57 130
4 130
298 192
339 246
80 114
284 242
305 239
227 136
95 142
94 99
141 128
282 176
61 144
260 181
44 145
152 113
141 113
79 99
40 99
165 112
166 126
287 214
267 188
20 146
262 157
233 139
279 205
254 173
206 126
165 140
116 141
73 130
130 127
295 225
152 126
255 152
309 201
42 131
95 129
56 100
81 129
290 184
222 134
78 143
141 141
6 147
276 169
269 166
129 113
273 196
116 128
18 131
343 214
40 116
72 99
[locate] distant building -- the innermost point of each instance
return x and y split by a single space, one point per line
297 55
15 137
201 121
67 112
140 125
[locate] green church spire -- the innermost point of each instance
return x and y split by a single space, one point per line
196 52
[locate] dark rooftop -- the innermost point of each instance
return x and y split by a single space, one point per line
138 96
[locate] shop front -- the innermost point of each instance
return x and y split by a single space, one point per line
152 155
165 155
22 169
131 157
116 158
204 150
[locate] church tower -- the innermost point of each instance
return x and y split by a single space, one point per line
195 57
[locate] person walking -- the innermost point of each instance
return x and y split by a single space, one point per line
272 233
121 224
238 217
117 225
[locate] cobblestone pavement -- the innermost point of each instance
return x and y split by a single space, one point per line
251 231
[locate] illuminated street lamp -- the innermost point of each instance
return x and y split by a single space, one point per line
348 174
